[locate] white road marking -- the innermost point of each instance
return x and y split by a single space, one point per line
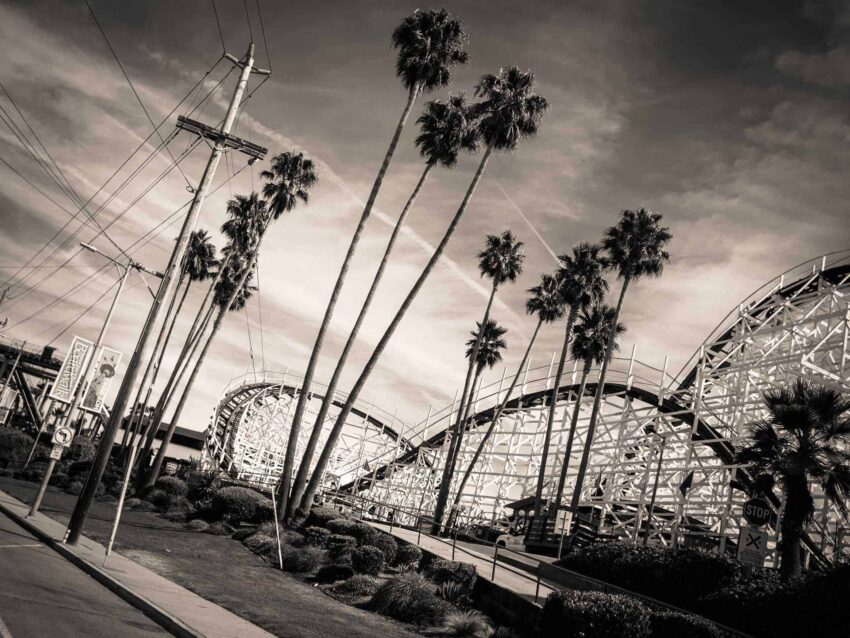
4 630
20 545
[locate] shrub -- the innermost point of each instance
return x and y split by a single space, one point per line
202 484
317 536
367 560
15 447
81 449
74 487
386 544
178 509
320 517
409 598
141 506
455 594
219 528
363 532
466 623
60 480
158 498
242 534
302 559
333 573
358 585
442 571
264 511
259 542
340 547
671 624
132 503
172 486
591 614
198 525
407 555
505 632
236 504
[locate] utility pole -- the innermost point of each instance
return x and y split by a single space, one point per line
221 139
2 299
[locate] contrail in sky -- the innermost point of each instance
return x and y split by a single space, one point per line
530 225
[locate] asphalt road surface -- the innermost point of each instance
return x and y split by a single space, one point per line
42 595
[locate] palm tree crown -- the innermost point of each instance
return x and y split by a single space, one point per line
446 128
510 110
546 300
591 333
502 257
201 260
231 278
246 216
289 180
582 275
636 244
429 44
491 345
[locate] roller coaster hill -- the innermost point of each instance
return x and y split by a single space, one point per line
662 468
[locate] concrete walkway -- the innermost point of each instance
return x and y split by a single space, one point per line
517 580
175 608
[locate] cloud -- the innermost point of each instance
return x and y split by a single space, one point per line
831 69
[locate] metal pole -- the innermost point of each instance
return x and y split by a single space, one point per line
43 487
78 517
276 531
654 492
495 559
120 509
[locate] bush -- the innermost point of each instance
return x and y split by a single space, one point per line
236 504
409 598
386 544
132 503
333 573
671 624
316 536
363 532
81 449
74 487
260 542
178 509
466 623
141 506
321 516
158 498
367 560
407 555
60 480
15 447
505 632
219 529
455 594
302 559
172 486
202 484
198 525
264 512
443 571
358 585
340 548
241 534
591 614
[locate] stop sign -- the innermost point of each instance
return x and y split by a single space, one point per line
757 511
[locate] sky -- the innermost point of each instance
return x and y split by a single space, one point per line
730 118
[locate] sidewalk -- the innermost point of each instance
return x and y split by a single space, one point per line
175 608
518 581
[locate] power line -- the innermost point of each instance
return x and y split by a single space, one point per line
218 23
263 31
248 18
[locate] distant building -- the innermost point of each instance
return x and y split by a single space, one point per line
186 445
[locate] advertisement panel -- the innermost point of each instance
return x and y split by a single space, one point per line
71 370
104 370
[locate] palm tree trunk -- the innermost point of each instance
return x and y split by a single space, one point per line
304 395
156 468
793 515
458 446
571 438
597 401
496 416
553 402
313 442
327 450
457 429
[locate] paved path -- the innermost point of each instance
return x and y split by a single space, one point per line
42 594
512 578
195 615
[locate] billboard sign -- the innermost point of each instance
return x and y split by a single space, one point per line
71 370
104 370
7 402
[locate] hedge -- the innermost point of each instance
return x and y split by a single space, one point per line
408 555
409 598
591 614
333 573
367 560
340 548
442 571
15 446
238 504
302 559
172 486
317 536
386 543
671 624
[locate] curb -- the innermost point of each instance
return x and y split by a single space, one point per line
165 620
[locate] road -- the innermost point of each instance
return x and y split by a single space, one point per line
42 594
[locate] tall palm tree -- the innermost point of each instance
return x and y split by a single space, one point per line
588 346
510 112
500 261
803 439
429 45
582 277
547 303
636 248
231 295
446 128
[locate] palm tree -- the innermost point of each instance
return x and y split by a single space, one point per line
446 128
803 439
582 277
547 303
429 45
588 346
636 248
500 261
509 113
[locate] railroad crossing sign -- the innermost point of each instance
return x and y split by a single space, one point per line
752 546
63 436
757 511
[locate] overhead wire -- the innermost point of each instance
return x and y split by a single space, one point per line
218 24
248 19
263 31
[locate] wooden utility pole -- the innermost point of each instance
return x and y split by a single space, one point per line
221 139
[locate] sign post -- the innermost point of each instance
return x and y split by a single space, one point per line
62 438
752 546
